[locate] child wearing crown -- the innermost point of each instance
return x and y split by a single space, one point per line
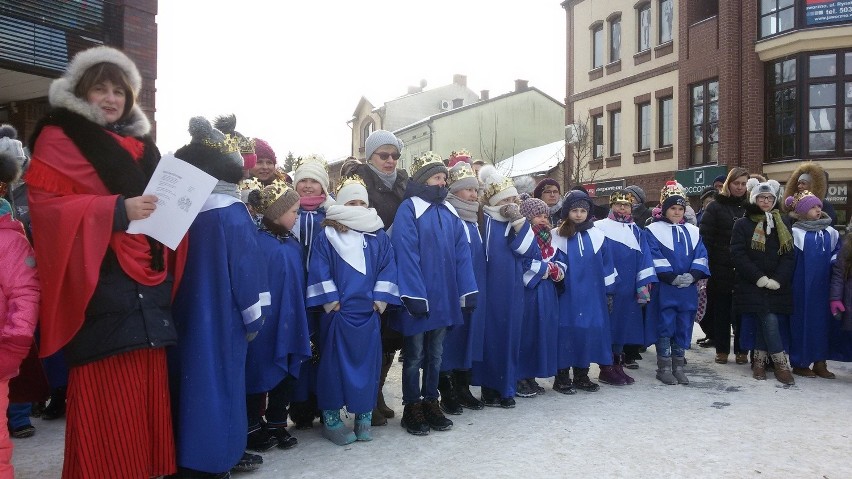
816 244
435 282
352 276
680 260
278 354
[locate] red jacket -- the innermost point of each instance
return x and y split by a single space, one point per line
20 296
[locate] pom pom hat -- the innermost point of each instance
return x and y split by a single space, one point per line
756 188
533 207
802 202
212 152
227 124
496 187
672 194
575 199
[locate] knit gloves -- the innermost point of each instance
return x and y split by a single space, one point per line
762 282
555 272
643 294
765 282
683 280
513 213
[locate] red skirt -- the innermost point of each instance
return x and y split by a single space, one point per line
119 422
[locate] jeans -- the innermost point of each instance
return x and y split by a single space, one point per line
422 350
18 414
768 334
667 348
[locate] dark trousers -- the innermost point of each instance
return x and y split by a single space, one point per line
725 319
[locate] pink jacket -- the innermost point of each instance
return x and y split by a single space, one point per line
20 296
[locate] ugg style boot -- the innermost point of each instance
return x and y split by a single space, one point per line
334 430
582 381
466 399
434 417
678 363
449 399
413 420
609 375
782 368
821 370
387 362
363 426
664 370
618 364
758 368
562 383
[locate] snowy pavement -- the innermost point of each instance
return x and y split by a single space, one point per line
723 424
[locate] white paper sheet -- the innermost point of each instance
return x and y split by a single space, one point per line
181 190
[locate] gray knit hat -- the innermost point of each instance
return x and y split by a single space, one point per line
639 193
379 138
426 165
462 177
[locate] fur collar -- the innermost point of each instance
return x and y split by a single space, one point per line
819 183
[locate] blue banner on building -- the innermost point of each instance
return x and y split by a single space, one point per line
828 11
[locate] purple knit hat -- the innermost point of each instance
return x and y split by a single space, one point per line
539 188
533 207
802 202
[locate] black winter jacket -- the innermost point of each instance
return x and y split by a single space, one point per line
715 228
752 264
385 200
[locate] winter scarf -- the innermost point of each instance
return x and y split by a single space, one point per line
430 194
356 218
542 236
765 222
387 178
311 203
556 209
494 212
467 210
814 225
628 218
225 188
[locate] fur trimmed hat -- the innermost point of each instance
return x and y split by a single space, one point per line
496 187
314 167
263 150
533 207
212 152
352 188
575 199
426 165
227 124
380 138
539 188
801 203
61 93
462 177
756 188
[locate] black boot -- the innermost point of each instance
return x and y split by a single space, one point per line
56 407
449 399
303 412
260 440
582 381
387 362
490 397
461 378
562 383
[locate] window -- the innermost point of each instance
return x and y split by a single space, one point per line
597 135
366 130
704 138
829 104
643 124
615 133
781 109
666 121
597 46
666 20
644 27
776 16
615 40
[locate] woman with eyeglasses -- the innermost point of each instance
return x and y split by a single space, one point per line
762 251
386 186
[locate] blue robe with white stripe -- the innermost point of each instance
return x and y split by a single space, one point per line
675 249
629 250
222 297
349 339
505 251
433 265
538 349
584 332
307 228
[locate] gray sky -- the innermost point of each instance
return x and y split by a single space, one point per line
293 72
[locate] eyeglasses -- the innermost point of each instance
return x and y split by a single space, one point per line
765 198
384 156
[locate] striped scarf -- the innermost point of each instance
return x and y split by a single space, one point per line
765 223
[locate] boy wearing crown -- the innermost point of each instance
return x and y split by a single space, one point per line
680 260
435 282
352 277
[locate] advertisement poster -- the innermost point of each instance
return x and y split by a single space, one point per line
827 11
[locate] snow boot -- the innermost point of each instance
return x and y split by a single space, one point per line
413 420
678 362
363 429
259 439
562 382
618 364
535 386
248 463
387 362
334 430
523 389
434 417
782 368
461 378
821 370
664 370
56 407
285 440
609 375
490 397
758 367
449 399
582 381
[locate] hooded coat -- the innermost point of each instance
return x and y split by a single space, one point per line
819 186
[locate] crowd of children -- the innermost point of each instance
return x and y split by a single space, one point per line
279 300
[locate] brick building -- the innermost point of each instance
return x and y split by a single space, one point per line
762 84
38 38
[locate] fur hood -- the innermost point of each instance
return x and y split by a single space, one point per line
61 93
819 182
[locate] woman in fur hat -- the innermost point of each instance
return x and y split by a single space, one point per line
106 294
762 250
810 176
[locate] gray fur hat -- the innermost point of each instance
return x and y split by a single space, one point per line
379 138
212 152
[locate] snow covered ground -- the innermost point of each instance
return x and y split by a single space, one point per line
723 424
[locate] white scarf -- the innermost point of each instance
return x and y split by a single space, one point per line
350 245
494 212
356 218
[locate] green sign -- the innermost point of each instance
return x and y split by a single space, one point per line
694 180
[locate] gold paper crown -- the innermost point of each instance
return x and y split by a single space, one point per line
460 172
312 157
672 188
493 188
246 145
622 196
269 194
228 145
799 196
251 184
461 152
349 180
426 158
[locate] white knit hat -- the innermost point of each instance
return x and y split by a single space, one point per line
314 167
756 188
496 187
352 188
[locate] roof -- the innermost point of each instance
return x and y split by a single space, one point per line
534 160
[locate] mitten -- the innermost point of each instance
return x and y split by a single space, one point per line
687 280
416 307
762 282
643 294
836 307
555 272
511 211
773 285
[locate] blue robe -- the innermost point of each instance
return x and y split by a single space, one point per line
675 249
811 323
283 344
538 348
629 250
433 265
222 297
463 343
349 339
505 251
308 227
584 335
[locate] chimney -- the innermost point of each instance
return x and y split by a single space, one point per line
458 102
521 85
460 80
483 95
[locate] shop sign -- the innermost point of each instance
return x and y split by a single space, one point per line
602 189
694 180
